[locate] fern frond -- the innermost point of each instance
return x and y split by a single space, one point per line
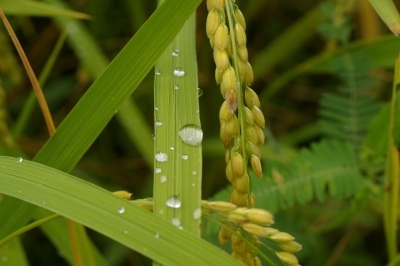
347 114
328 167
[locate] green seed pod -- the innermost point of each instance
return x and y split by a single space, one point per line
229 79
291 246
225 137
232 126
242 67
271 231
237 164
221 59
254 229
223 236
228 172
281 237
258 116
242 52
242 184
287 258
224 113
221 37
249 116
260 134
251 98
256 165
240 18
218 78
251 135
123 194
240 35
221 206
249 75
238 199
251 149
260 217
231 97
212 23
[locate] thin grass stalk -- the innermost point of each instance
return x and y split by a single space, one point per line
177 175
391 194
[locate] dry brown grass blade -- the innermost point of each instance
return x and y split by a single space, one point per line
35 84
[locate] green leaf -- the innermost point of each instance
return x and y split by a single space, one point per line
389 14
34 8
106 213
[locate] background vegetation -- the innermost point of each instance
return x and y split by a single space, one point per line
324 73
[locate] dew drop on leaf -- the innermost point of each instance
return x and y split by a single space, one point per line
191 135
121 210
174 202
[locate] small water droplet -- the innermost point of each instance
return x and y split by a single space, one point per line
158 123
163 179
194 173
174 202
121 210
20 160
156 108
193 184
176 87
125 232
175 53
179 72
176 221
153 136
44 203
39 184
197 214
172 148
158 72
161 157
4 258
199 92
157 235
197 111
157 170
191 134
185 157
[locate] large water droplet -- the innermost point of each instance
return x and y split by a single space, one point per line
174 202
197 214
163 179
161 157
121 210
157 170
179 72
185 157
191 135
20 160
199 92
175 53
158 123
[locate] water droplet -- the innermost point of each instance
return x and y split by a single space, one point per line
116 111
191 134
193 184
20 160
185 157
44 203
176 87
199 92
197 214
153 136
194 173
157 235
156 108
158 72
158 123
121 210
172 148
176 221
197 111
174 202
125 232
157 170
179 72
175 53
163 179
161 157
4 258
